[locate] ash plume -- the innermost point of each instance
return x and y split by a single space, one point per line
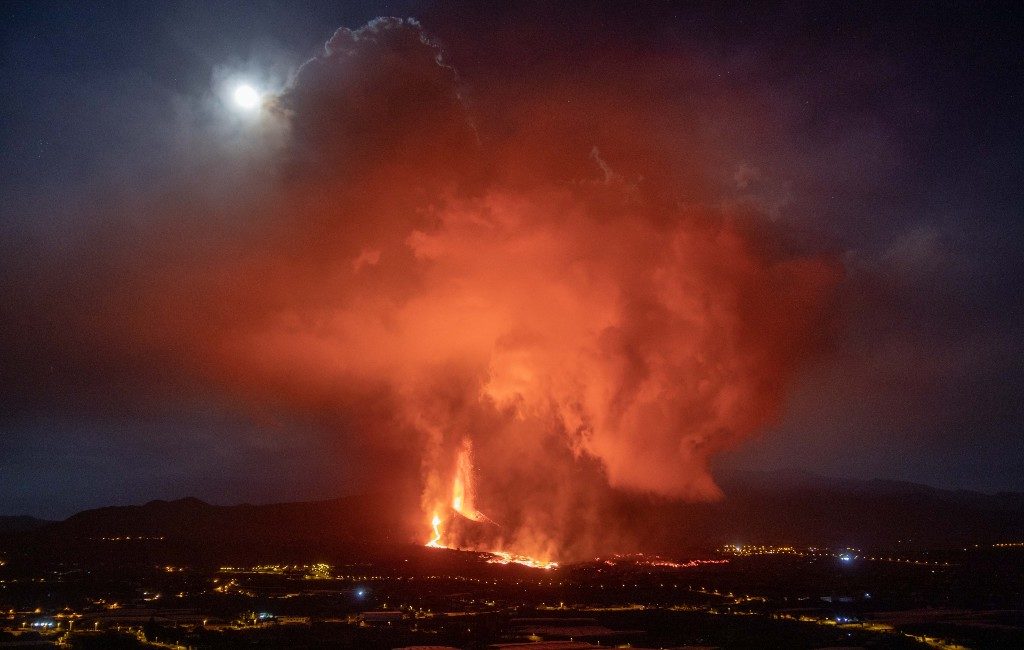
550 280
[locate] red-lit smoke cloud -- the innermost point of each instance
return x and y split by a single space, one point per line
551 278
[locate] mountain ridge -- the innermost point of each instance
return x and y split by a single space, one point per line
795 509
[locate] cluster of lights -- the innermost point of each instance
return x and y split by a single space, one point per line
306 571
900 560
753 549
361 592
318 571
846 555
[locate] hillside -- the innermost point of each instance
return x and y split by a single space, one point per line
796 509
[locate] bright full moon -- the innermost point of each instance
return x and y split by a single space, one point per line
246 97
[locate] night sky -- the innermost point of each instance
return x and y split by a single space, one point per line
761 238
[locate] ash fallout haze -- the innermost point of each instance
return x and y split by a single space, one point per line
514 260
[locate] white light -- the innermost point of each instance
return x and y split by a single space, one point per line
246 97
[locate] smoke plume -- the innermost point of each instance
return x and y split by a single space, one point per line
540 274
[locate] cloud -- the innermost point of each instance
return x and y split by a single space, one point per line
422 272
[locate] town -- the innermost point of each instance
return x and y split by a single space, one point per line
740 596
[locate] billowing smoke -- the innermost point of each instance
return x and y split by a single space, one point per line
549 282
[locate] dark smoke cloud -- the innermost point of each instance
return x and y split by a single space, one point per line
545 276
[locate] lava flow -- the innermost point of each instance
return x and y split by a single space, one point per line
435 541
503 557
462 503
640 559
492 557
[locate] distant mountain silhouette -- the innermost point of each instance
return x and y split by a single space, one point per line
20 524
191 531
803 509
806 508
773 508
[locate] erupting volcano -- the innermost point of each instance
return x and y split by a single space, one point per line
462 505
525 309
462 485
499 324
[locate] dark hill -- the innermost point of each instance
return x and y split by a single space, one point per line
810 509
194 532
20 524
802 509
787 508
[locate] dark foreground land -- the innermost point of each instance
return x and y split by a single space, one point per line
750 597
806 567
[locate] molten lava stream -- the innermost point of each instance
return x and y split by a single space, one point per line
435 541
493 557
504 557
462 503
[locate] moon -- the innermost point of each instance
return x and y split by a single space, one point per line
246 97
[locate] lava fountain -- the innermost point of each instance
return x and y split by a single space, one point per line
462 503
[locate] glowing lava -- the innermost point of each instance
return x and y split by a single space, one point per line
640 559
462 502
435 541
504 557
462 484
